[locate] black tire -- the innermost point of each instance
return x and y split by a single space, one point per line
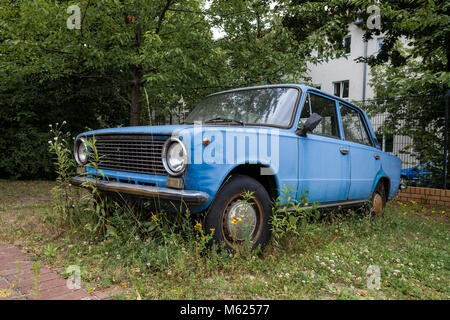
230 196
378 201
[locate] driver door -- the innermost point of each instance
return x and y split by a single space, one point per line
324 159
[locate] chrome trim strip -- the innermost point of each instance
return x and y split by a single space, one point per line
344 204
187 196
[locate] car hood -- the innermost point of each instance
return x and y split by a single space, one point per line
162 130
170 129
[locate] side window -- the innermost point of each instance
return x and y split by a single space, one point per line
354 128
324 107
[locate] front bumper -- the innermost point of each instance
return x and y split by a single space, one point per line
151 192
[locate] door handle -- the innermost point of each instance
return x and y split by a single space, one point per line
343 150
376 156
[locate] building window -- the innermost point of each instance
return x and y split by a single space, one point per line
317 86
347 44
341 88
380 44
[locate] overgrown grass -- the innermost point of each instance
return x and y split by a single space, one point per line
327 258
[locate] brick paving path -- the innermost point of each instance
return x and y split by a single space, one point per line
17 280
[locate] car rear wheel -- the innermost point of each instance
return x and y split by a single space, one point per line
378 201
236 217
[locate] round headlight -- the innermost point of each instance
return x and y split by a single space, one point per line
81 152
174 156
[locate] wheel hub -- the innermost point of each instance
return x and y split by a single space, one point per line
377 203
241 220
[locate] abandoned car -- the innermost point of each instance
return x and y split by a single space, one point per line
259 140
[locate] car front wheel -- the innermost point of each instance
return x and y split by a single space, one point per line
240 212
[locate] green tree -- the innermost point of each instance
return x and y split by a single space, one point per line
256 45
119 42
412 99
128 61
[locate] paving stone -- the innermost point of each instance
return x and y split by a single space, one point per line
75 295
52 286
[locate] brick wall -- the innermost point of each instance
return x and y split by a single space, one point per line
438 197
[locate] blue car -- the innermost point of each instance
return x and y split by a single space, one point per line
256 141
421 174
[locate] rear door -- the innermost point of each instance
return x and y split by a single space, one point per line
364 158
324 160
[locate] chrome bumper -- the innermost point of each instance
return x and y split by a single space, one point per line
187 196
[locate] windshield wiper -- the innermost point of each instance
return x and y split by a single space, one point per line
220 119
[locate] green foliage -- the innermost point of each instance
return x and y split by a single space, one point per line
28 106
36 273
290 221
24 153
424 24
63 201
127 54
412 98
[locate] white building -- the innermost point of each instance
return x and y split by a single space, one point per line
344 77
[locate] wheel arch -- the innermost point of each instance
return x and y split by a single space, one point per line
269 180
386 184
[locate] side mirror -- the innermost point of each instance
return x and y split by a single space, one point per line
309 125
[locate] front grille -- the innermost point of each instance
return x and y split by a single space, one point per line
131 153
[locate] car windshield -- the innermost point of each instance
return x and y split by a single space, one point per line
265 106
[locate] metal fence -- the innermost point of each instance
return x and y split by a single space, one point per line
415 129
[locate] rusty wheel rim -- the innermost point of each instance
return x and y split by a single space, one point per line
377 204
247 220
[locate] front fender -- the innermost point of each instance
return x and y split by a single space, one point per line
209 178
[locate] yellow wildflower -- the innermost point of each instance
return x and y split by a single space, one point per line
198 226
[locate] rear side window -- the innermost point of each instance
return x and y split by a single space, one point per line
354 128
324 107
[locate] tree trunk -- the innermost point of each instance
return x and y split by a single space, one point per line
136 105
